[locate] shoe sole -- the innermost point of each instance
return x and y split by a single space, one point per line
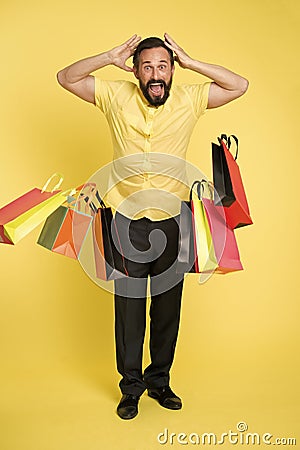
125 417
128 418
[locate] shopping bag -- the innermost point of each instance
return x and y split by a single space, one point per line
22 215
224 241
221 176
66 228
108 253
186 252
228 183
196 251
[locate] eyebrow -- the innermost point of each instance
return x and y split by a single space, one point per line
149 62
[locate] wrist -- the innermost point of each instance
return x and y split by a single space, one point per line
107 58
190 64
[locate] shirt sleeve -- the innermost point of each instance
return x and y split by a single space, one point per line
198 94
105 92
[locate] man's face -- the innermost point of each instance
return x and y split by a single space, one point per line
154 73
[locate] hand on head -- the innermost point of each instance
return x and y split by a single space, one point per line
120 54
180 55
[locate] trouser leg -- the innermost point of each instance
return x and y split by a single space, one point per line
130 307
164 325
166 292
130 322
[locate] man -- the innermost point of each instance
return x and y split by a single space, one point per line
150 119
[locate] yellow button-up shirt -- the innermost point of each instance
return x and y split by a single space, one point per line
148 176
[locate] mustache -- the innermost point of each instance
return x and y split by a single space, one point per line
156 81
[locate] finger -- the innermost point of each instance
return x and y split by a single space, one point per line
133 41
132 38
170 40
132 49
137 39
175 50
127 68
170 46
129 43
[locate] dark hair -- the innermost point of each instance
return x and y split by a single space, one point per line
151 42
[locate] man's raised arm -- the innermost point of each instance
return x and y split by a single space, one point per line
76 78
227 85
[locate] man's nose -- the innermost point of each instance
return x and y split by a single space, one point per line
155 74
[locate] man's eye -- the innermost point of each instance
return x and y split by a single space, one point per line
162 67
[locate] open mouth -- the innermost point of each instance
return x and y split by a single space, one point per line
156 89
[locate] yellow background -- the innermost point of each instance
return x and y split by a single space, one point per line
238 353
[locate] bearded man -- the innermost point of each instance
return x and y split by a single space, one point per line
147 120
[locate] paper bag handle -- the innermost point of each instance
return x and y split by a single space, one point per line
89 196
57 186
200 188
199 185
210 187
227 141
100 201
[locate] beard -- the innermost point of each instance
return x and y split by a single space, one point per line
156 100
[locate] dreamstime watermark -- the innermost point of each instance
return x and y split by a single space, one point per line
143 185
240 436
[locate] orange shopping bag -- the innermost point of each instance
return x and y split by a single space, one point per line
66 228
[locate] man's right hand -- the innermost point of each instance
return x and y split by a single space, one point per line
76 78
119 55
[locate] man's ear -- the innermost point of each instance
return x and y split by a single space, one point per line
173 69
135 71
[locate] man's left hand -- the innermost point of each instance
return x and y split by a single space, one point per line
181 56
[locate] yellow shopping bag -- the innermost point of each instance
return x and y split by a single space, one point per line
205 258
22 215
204 252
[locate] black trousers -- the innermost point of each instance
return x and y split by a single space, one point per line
150 249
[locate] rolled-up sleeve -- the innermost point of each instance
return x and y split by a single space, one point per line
198 94
105 92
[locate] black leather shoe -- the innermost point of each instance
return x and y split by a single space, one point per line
128 406
165 397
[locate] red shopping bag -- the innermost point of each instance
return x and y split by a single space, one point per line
14 217
229 185
224 254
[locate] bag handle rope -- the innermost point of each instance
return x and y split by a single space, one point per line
58 184
227 141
